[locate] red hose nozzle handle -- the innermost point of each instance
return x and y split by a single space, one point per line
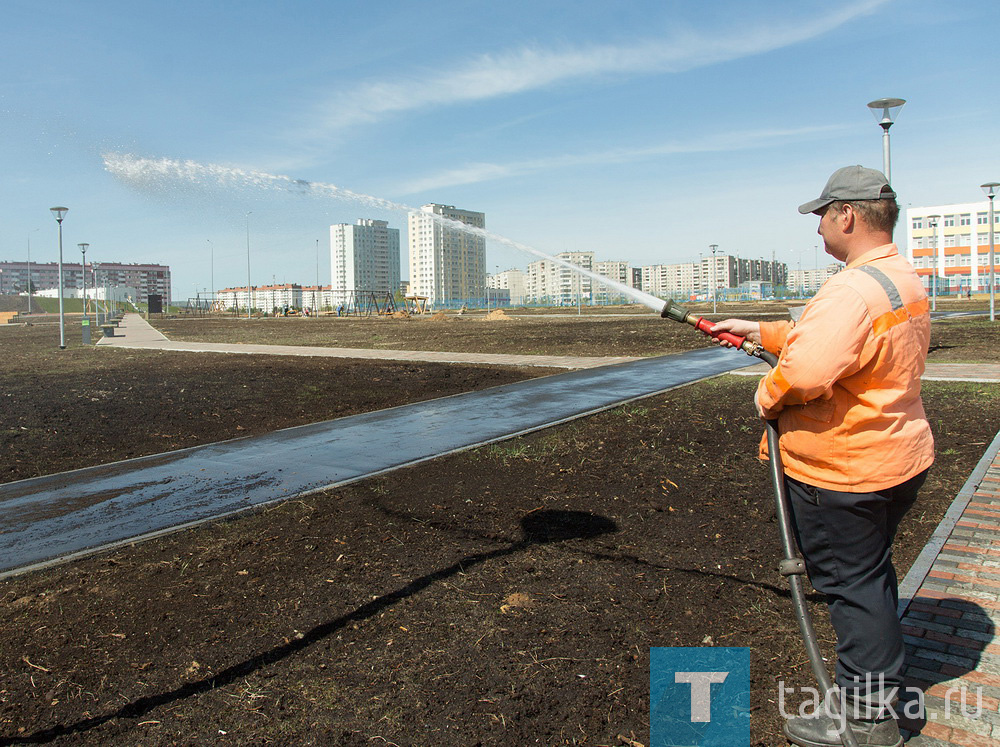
704 325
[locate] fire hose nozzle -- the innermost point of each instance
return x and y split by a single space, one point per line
703 325
675 312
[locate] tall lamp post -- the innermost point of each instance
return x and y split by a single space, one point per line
249 300
83 251
86 319
29 270
932 223
211 248
59 213
885 112
715 284
990 188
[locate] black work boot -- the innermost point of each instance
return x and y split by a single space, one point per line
823 731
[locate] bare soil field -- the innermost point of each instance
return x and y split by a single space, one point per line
953 340
503 596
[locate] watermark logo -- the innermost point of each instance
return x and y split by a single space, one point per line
871 698
699 697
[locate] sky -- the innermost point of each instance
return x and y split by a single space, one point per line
641 131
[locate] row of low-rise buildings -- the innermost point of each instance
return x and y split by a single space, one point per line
547 282
447 264
145 279
447 250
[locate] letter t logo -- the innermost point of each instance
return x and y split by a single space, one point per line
701 692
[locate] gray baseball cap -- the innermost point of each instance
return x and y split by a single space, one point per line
851 183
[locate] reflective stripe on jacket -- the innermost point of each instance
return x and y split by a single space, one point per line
846 390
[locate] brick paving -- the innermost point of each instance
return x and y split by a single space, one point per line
951 603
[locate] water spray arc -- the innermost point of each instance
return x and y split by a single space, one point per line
150 171
791 566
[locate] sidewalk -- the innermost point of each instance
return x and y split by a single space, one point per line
950 604
136 332
983 373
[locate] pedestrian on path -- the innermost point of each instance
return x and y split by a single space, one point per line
855 441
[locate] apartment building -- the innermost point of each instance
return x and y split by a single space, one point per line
681 280
447 264
514 281
807 282
617 270
723 272
364 257
145 279
953 242
553 284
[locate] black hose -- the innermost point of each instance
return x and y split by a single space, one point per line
793 567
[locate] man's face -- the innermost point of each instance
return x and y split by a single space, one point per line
831 223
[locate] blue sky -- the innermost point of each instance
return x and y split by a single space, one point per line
643 131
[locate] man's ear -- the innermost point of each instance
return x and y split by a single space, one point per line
848 218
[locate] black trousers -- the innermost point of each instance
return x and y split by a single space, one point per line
846 541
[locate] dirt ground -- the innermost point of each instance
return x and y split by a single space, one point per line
638 334
503 596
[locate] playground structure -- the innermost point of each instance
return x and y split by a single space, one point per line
415 304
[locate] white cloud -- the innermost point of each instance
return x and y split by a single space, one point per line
521 70
732 141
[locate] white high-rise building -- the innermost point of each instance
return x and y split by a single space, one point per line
615 270
447 265
959 247
364 257
513 280
672 281
553 284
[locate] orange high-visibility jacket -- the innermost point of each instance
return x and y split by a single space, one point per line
846 390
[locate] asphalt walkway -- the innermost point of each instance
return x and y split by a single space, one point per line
73 512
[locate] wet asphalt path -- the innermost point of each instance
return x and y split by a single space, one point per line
71 513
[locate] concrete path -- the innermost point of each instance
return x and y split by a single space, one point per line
56 515
136 332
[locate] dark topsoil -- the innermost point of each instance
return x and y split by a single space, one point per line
504 596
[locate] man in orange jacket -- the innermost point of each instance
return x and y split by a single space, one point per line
854 440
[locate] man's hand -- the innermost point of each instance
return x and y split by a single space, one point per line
757 407
738 327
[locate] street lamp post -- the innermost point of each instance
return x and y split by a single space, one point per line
59 213
715 284
249 300
990 188
932 223
885 112
29 274
86 319
211 248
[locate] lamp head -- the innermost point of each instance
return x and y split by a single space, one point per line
932 221
886 110
59 213
83 248
990 188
